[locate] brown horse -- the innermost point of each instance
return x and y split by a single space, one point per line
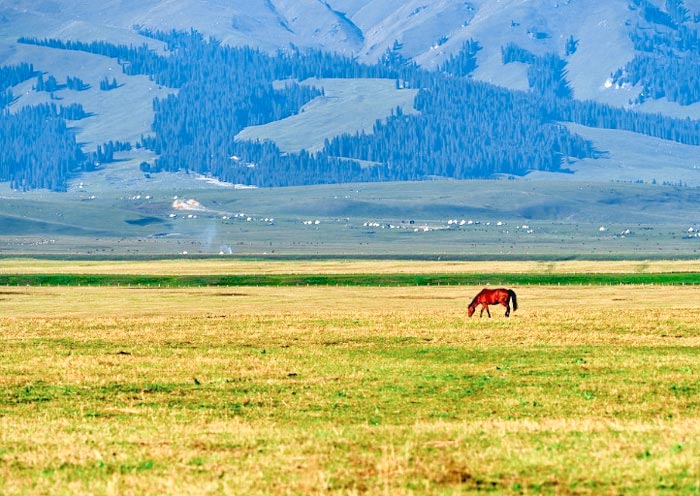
488 297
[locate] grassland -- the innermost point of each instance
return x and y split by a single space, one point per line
486 279
242 266
346 390
563 219
242 272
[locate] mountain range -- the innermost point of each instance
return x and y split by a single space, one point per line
636 57
428 31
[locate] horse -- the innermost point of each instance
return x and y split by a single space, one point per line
488 297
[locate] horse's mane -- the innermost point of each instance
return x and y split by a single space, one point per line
473 303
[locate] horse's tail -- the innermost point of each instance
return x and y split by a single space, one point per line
514 298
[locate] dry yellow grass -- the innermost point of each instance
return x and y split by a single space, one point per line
316 390
239 266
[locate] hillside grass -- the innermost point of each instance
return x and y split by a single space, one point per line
633 157
124 114
347 106
258 390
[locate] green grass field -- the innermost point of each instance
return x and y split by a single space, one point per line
347 390
479 279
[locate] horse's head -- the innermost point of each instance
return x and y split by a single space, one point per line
471 309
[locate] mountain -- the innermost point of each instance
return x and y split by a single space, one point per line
429 32
422 90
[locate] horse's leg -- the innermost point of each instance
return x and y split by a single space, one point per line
481 314
507 308
487 311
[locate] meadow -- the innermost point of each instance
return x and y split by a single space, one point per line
118 213
348 389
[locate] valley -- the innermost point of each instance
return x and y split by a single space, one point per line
184 215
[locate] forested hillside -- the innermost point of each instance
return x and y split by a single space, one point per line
668 62
36 148
463 128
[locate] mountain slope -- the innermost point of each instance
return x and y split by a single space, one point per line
428 33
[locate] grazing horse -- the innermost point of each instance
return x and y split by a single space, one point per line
488 297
